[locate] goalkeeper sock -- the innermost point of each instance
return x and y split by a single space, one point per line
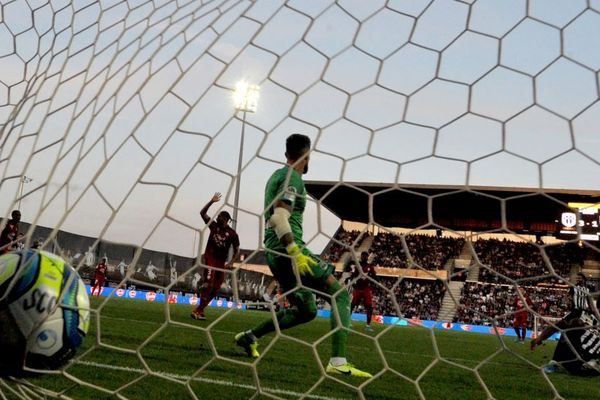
337 361
342 308
304 310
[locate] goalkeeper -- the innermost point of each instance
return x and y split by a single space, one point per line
291 263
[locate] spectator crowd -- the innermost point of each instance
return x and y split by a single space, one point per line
503 259
416 298
482 303
342 242
427 252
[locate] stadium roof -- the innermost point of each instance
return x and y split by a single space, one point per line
452 207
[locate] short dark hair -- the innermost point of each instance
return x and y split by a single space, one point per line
15 212
582 275
364 253
226 215
295 146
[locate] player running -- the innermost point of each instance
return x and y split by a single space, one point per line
522 304
221 238
362 288
289 260
578 350
100 277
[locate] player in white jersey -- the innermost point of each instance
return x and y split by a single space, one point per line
578 350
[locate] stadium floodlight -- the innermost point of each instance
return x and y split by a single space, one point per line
24 180
245 99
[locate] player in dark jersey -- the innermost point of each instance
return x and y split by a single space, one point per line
578 350
362 287
296 269
522 305
222 237
99 276
10 233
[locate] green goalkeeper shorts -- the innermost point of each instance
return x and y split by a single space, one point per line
283 271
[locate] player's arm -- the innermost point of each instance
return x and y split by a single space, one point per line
282 210
372 272
280 222
203 213
236 251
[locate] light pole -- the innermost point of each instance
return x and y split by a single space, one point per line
245 99
24 180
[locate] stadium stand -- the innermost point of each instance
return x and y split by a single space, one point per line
416 298
342 242
520 260
481 302
428 252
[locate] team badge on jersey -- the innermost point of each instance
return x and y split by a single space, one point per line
290 194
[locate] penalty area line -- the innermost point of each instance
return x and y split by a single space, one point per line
205 380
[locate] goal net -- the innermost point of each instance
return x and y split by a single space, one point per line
118 123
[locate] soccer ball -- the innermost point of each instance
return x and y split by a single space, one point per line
44 311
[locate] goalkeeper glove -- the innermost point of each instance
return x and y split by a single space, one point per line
304 263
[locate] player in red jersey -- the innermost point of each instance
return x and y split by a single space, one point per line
221 238
522 304
10 233
100 277
362 288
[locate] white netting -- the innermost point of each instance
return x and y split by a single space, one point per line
121 114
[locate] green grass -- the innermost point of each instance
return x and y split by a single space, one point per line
139 356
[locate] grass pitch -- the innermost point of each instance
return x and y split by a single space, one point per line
131 352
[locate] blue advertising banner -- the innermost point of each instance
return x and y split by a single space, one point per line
449 326
173 298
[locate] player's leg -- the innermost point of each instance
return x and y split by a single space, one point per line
302 308
215 286
96 288
517 327
524 329
94 283
368 299
340 301
568 352
339 298
205 293
356 296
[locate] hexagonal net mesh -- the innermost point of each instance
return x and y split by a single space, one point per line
117 124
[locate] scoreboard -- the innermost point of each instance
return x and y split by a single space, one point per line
582 222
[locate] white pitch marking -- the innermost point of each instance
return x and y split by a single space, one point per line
205 380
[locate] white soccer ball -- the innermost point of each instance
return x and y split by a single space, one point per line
44 311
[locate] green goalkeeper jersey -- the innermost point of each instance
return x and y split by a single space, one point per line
286 185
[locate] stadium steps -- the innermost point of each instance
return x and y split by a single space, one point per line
365 245
465 261
450 301
473 272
